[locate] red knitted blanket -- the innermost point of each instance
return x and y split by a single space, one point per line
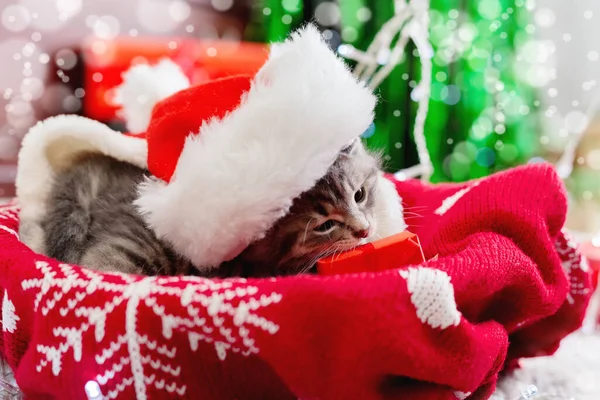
506 284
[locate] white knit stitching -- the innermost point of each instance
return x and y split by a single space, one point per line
11 231
461 395
451 200
135 292
432 294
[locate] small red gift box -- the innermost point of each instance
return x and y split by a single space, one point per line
389 253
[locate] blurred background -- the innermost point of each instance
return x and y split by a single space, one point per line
513 82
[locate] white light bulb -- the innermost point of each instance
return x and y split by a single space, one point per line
92 390
529 393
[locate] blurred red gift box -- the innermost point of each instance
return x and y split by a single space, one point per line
388 253
201 60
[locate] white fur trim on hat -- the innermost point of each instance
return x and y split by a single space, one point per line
145 85
389 215
237 177
49 147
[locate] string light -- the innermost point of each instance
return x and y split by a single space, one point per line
529 393
410 22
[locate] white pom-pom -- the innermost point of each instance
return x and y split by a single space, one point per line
145 85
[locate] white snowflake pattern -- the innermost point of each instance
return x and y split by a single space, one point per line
220 313
572 260
9 316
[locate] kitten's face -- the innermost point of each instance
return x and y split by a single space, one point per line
335 215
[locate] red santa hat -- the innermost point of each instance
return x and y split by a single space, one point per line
227 157
183 114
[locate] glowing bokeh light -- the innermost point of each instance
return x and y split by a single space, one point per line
179 10
545 17
15 17
327 13
154 16
222 5
576 121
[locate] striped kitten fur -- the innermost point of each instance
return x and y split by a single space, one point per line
91 221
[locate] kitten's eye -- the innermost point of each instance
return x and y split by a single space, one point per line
325 226
359 195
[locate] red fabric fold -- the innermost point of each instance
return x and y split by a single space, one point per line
505 273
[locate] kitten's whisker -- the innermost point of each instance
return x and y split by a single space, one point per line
306 267
415 207
309 265
326 251
336 253
314 259
306 229
413 213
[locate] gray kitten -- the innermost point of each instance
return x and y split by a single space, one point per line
91 221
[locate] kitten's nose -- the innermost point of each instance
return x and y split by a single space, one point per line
361 234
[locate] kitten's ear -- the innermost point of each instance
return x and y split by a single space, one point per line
352 147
